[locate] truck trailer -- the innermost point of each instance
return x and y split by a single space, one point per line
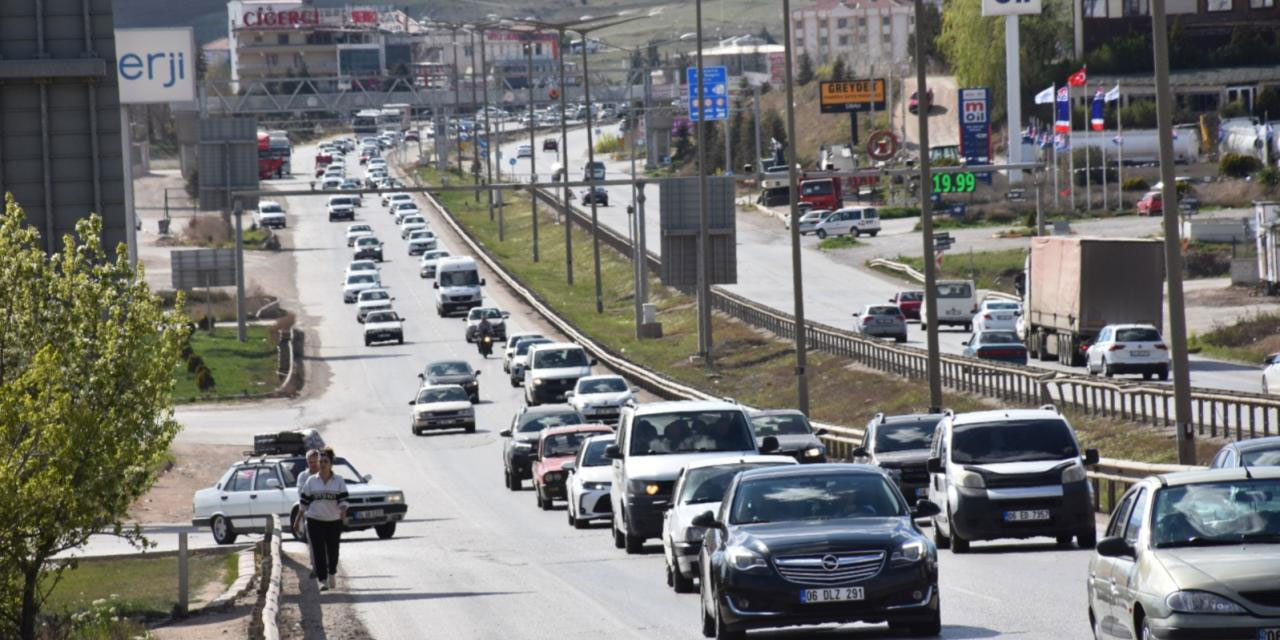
1075 286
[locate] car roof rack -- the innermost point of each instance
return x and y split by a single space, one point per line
1051 407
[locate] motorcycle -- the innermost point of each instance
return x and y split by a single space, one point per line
485 345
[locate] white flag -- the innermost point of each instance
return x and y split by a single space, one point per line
1113 94
1045 97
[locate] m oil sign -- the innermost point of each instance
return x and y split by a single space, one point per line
156 65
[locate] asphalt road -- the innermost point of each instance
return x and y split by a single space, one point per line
836 284
475 560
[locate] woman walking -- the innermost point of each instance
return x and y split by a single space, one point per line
324 501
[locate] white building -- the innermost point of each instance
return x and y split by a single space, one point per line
867 34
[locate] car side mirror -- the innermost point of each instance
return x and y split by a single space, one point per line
368 477
925 509
965 343
1114 547
506 433
612 452
569 467
477 372
482 282
465 319
568 394
506 315
934 465
413 402
435 285
706 520
769 444
820 431
860 452
1091 457
421 377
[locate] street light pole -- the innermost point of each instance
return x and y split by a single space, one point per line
797 281
704 227
1185 435
490 149
457 95
563 154
533 152
933 364
591 161
475 124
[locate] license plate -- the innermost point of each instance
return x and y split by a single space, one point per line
953 312
1139 354
842 594
1002 317
1269 634
369 515
1026 516
884 321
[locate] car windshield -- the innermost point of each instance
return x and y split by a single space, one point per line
535 422
359 227
601 385
563 444
708 484
955 290
380 294
442 394
1229 512
381 316
558 358
457 368
911 296
468 278
434 255
340 201
998 337
414 220
882 311
522 347
825 496
906 436
1261 457
1138 334
781 424
367 241
1019 441
690 431
485 312
271 208
363 265
359 278
293 466
594 455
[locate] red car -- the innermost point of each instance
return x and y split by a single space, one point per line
909 302
1151 204
914 105
557 446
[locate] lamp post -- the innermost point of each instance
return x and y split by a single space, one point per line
797 281
533 152
704 227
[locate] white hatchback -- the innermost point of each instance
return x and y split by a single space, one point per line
997 315
590 480
427 266
853 221
1128 348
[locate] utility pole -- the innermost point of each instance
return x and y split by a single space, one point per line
1186 437
933 368
591 162
457 98
533 150
475 123
490 149
704 222
755 120
563 154
797 281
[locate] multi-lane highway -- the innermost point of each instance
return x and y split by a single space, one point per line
475 560
835 286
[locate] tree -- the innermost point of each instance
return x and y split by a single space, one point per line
805 73
839 73
930 24
771 125
86 410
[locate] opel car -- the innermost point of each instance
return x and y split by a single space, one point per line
600 398
590 478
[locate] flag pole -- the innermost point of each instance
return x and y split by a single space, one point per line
1088 174
1120 152
1071 148
1104 154
1053 147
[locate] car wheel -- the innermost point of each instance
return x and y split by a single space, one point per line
899 338
619 541
367 342
1087 539
958 544
470 429
855 232
872 233
1144 629
400 340
680 583
1106 369
385 531
1064 541
545 503
634 544
822 234
924 326
514 483
968 327
223 533
708 622
939 540
928 629
723 631
416 431
1164 375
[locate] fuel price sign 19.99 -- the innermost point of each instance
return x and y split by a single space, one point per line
963 182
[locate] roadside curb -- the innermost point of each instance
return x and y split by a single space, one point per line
265 621
247 572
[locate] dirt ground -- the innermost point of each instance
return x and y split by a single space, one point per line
196 467
306 613
232 623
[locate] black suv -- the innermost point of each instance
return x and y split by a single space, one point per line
521 446
900 445
796 437
817 544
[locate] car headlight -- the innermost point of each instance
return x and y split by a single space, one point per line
537 382
552 476
522 446
910 552
744 559
970 480
1073 473
597 486
813 452
395 498
694 534
645 487
1201 602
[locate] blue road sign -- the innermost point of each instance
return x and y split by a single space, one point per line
975 128
512 162
715 93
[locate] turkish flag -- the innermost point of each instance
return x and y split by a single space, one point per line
1077 79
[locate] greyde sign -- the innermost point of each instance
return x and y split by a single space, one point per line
1010 7
156 65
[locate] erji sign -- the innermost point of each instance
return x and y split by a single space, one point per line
156 65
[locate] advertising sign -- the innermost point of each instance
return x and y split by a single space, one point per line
975 128
1010 7
715 92
854 95
156 65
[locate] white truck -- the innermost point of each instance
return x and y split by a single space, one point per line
458 285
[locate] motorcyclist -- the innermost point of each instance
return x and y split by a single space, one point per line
484 330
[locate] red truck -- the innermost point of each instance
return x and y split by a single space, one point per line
323 159
822 193
270 164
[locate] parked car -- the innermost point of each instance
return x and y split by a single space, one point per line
900 446
431 257
1011 473
1000 346
808 220
497 322
521 439
882 321
556 447
442 406
383 326
597 195
852 221
796 437
600 398
699 489
1151 204
589 483
761 550
1190 554
1128 348
357 230
997 315
457 372
1253 452
913 105
271 214
957 302
909 303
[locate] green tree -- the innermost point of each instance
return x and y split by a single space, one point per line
839 73
804 75
772 125
930 24
86 414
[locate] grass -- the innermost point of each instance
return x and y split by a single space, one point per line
838 242
1250 340
992 270
752 366
237 368
944 222
137 587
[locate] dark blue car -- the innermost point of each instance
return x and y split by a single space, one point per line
1002 346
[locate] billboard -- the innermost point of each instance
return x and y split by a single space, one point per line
715 92
975 128
156 65
853 95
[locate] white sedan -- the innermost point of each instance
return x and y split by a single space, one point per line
997 315
427 265
357 282
600 398
411 223
355 231
589 483
396 198
362 266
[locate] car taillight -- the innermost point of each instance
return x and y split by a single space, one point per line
1116 347
986 316
1161 346
900 318
867 320
974 310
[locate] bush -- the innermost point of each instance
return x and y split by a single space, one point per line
204 378
1269 176
893 213
1206 264
1236 165
608 144
1136 184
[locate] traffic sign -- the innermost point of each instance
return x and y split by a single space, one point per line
715 93
882 144
512 162
553 93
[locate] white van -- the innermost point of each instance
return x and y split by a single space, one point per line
458 285
957 302
553 370
853 221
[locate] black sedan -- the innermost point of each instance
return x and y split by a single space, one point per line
900 445
457 372
796 437
598 195
521 440
817 544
